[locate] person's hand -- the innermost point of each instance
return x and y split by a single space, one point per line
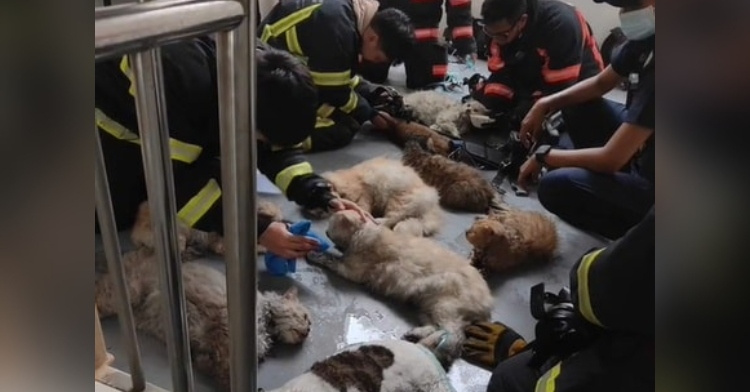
488 344
532 123
339 204
528 173
382 121
278 240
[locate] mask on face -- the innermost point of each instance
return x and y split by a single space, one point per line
638 24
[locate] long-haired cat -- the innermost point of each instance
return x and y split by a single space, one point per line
281 318
400 131
391 192
378 366
442 113
504 240
460 186
448 291
193 242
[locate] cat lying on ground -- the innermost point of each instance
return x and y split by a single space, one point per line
504 240
193 242
377 366
281 318
448 291
391 192
400 131
442 113
460 186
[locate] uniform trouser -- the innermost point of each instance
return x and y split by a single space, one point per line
604 366
427 64
332 134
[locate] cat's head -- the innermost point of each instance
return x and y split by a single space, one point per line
290 320
342 226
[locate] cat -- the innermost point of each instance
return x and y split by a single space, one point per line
442 113
400 131
193 242
281 318
391 192
460 186
377 366
504 240
448 291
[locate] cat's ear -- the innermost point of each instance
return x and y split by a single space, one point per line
291 294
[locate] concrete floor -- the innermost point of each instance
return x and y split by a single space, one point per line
344 313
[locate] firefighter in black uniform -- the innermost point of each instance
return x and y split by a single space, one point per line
331 37
189 68
608 187
612 303
428 63
540 47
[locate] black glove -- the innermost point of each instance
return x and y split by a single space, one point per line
488 344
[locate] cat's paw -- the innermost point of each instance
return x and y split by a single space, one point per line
419 333
322 259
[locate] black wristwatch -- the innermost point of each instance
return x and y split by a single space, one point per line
541 153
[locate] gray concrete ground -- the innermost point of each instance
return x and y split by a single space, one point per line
344 313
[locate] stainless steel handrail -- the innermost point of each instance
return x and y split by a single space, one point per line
137 8
129 33
139 31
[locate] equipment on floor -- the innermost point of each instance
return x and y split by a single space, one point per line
279 266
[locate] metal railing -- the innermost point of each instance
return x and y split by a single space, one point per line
139 30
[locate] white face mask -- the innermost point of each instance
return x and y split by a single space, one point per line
638 24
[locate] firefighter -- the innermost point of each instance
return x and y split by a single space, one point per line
330 37
428 63
608 187
284 85
612 303
540 47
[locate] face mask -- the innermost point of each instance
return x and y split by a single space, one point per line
638 24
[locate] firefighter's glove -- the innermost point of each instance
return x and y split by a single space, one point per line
488 344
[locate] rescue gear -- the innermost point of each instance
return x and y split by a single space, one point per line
191 96
325 36
487 344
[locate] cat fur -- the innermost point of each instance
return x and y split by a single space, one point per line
442 113
393 193
504 240
281 318
400 131
448 291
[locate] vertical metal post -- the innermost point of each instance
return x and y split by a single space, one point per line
236 69
108 228
157 164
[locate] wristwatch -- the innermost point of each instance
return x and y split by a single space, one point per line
541 153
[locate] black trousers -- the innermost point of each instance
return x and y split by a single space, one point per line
427 64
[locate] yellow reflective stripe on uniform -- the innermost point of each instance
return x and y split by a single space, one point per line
292 43
325 110
125 69
332 79
285 177
546 383
584 298
179 151
323 122
351 104
279 27
355 81
199 204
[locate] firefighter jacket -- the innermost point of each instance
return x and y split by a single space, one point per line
325 35
191 95
555 50
426 16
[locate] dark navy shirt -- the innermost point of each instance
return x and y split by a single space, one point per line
636 61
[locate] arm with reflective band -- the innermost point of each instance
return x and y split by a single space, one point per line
460 22
197 206
613 287
561 49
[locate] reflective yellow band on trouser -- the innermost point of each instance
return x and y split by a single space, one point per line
282 25
351 104
179 151
584 297
546 383
199 204
125 69
325 110
285 177
334 79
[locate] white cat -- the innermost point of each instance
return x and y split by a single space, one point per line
378 366
448 291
